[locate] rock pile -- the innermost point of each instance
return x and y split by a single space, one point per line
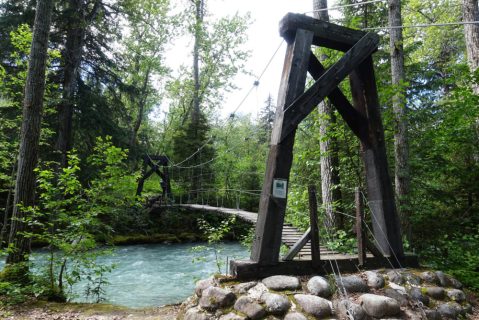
380 294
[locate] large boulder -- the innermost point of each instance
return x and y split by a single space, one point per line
346 309
203 284
456 295
257 291
375 279
432 314
276 303
429 277
213 298
455 283
396 277
437 293
196 314
295 316
232 316
242 288
400 297
417 295
450 310
444 280
280 283
250 308
379 306
319 286
352 284
314 305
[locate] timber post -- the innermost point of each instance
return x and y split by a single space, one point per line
313 220
360 236
272 207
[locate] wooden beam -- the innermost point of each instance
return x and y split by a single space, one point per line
304 104
385 221
359 226
250 270
313 220
298 246
325 34
267 240
372 248
355 120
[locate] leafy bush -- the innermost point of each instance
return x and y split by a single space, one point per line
457 255
69 218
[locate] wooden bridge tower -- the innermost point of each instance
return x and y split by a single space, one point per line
362 116
154 163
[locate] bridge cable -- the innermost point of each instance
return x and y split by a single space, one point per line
255 84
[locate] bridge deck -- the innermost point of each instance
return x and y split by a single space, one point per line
289 237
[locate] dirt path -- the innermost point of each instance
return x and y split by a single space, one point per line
78 311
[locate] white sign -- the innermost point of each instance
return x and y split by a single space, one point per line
280 188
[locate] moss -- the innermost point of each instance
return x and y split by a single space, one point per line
143 238
189 237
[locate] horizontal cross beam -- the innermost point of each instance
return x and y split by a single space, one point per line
305 103
325 34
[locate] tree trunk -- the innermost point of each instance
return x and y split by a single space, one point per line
330 188
401 144
78 21
471 32
141 109
199 7
195 113
30 132
8 210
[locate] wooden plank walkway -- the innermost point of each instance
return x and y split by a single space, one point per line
289 237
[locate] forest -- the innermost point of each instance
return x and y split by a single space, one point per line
86 94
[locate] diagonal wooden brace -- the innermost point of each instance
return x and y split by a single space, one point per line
305 103
298 246
355 120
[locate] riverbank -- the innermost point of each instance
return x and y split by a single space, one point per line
176 225
41 310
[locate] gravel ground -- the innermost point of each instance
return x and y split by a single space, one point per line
76 311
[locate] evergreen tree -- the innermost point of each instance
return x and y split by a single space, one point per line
30 132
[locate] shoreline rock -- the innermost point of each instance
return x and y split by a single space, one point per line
379 294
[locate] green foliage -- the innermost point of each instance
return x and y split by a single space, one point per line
65 220
456 254
111 195
215 234
340 241
69 218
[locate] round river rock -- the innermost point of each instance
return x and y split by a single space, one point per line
280 283
379 306
276 303
250 308
319 286
313 305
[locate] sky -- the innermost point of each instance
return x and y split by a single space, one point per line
263 41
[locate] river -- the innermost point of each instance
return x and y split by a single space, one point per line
159 274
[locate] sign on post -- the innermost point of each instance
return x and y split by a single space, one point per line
280 187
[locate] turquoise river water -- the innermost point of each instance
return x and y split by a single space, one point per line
159 274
